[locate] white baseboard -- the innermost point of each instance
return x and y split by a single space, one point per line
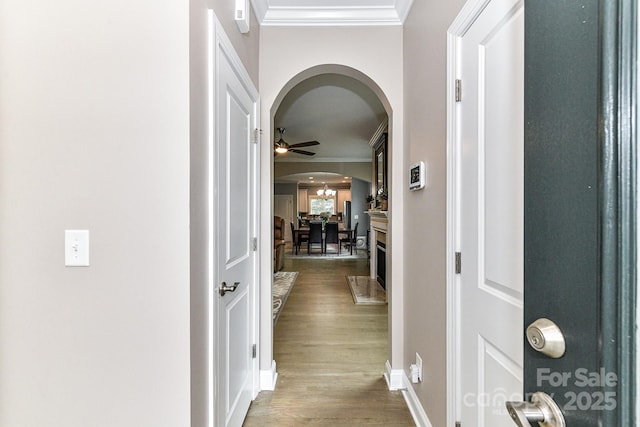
269 377
394 377
415 407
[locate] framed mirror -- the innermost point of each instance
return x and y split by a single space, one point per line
380 162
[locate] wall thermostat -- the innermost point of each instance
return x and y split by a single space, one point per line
416 176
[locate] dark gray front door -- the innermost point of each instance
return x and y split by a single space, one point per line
576 198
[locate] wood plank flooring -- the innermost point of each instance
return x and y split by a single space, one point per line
330 355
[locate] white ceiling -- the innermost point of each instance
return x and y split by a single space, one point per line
331 12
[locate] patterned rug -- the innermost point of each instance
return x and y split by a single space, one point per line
366 290
282 283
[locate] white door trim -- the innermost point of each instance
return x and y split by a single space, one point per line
469 13
220 42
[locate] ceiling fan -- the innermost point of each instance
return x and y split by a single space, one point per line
282 147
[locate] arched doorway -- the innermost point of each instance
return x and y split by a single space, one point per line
394 363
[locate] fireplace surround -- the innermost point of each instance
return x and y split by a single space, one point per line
379 229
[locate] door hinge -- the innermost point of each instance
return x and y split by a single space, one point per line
254 351
458 263
458 90
256 135
254 244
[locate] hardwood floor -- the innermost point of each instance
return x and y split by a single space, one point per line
330 355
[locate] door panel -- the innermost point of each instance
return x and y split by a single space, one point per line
503 154
501 378
237 315
561 199
491 213
234 198
238 179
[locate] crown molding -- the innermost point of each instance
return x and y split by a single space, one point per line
260 8
403 7
350 15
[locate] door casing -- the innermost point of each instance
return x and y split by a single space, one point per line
468 15
219 42
618 113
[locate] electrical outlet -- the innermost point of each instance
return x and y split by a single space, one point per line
419 366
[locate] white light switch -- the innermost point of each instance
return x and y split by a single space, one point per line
76 248
355 217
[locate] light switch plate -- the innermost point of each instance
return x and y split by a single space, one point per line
76 248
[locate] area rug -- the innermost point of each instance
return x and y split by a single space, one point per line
327 256
366 290
282 284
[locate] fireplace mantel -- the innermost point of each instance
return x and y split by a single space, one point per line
379 221
375 213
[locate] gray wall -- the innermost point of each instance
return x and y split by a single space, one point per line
359 191
425 50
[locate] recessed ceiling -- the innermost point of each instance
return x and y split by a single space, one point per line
338 111
331 12
315 179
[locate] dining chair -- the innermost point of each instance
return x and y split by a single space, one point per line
315 235
295 244
302 236
331 236
350 239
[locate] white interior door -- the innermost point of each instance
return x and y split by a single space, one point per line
283 207
235 208
490 115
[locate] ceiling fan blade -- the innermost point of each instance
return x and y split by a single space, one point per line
304 144
306 153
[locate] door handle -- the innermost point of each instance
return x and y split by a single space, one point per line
224 288
542 410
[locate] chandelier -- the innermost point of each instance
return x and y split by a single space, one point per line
326 192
